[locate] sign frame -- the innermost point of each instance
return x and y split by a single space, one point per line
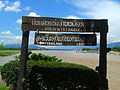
102 29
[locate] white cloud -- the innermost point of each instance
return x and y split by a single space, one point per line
15 39
27 8
19 21
6 33
113 38
6 2
2 5
18 37
1 41
11 39
14 7
101 9
18 28
72 17
33 14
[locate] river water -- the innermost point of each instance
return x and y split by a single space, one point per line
60 54
6 59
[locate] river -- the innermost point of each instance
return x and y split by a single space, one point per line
6 59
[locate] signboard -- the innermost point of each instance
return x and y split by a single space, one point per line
65 39
63 25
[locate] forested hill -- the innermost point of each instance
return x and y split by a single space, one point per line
110 45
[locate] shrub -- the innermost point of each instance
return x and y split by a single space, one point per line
9 73
1 68
52 75
34 56
116 48
63 75
4 87
1 46
41 56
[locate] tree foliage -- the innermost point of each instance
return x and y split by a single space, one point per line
1 46
116 48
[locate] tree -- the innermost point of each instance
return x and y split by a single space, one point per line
116 48
1 46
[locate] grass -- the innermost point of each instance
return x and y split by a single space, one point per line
4 87
90 51
8 52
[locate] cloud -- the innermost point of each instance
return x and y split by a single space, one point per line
19 21
14 7
33 14
27 8
6 33
18 28
6 2
72 17
101 9
113 38
2 5
10 39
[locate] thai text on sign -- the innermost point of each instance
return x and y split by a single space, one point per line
65 39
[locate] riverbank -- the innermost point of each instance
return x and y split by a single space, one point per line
96 51
8 52
89 59
6 59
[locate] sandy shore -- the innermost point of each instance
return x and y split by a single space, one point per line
91 60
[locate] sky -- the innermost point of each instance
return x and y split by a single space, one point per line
11 12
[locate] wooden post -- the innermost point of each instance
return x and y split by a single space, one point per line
103 56
23 61
103 60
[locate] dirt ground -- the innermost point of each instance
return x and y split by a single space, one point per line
92 60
